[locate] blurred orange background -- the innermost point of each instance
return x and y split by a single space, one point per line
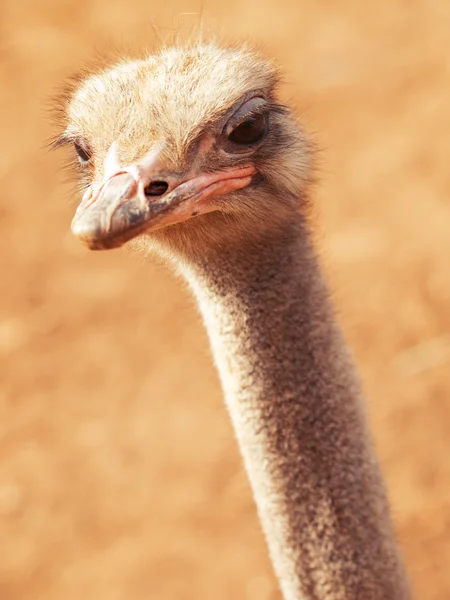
119 474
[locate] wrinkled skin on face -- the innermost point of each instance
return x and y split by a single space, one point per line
191 132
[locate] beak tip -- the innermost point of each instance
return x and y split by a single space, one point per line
90 233
86 231
82 229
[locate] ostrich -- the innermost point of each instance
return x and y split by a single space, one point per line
190 154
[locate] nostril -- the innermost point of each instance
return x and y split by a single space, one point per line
156 188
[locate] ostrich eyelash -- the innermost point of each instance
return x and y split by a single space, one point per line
61 141
267 108
82 147
65 139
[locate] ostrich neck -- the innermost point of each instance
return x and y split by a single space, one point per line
296 407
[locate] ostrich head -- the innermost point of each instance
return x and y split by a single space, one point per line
186 145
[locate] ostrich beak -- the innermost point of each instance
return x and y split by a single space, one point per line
124 205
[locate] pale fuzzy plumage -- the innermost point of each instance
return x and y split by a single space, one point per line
289 384
181 92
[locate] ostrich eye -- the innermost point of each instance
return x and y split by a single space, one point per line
251 131
248 126
84 154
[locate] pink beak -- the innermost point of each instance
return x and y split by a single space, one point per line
140 198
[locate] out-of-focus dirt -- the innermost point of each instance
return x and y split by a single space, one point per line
119 474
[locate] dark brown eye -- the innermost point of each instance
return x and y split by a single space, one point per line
83 153
250 131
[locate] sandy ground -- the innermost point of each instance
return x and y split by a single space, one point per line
119 474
